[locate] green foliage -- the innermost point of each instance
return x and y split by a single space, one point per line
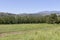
53 18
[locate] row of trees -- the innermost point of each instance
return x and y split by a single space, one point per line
53 18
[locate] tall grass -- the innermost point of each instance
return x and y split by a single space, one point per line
33 32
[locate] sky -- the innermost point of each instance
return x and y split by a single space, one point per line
29 6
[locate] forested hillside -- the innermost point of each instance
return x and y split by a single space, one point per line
41 17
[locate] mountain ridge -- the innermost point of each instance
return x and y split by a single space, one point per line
38 13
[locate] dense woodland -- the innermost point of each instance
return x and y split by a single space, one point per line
8 18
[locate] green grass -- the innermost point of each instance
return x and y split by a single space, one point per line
32 31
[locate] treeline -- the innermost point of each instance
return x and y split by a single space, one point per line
51 19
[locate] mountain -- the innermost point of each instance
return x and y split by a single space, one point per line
6 14
48 12
31 14
41 13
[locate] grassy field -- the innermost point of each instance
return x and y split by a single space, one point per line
30 32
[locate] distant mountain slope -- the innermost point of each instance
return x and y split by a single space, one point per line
6 14
31 14
48 12
41 13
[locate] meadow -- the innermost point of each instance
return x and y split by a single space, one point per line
30 32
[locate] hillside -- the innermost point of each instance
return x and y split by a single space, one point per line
6 14
28 14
